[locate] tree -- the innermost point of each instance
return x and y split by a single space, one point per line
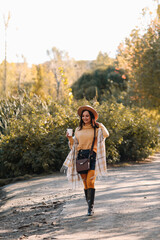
21 71
38 87
102 61
99 83
56 63
6 22
140 56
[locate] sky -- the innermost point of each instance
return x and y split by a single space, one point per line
82 28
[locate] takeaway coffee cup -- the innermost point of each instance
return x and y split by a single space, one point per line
70 132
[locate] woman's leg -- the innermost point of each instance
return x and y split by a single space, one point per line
90 179
90 191
84 179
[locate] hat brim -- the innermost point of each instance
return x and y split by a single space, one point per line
88 108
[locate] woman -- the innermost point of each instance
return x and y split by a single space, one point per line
80 148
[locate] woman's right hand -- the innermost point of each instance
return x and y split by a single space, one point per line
67 135
70 139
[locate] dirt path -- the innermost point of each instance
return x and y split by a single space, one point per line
127 207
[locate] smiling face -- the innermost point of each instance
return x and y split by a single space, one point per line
86 118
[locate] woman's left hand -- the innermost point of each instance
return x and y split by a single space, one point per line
94 123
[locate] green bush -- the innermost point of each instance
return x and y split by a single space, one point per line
33 133
133 135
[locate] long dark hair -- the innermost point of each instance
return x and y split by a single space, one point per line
81 123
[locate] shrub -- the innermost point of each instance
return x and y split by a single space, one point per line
33 133
133 135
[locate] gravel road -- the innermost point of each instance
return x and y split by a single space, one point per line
127 207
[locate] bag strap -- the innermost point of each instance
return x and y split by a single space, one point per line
91 151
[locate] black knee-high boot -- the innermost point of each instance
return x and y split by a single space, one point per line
90 200
85 192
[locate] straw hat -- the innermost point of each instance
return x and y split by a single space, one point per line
88 108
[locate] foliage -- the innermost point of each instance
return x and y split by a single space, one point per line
33 133
102 61
39 82
46 79
33 139
133 134
100 81
140 56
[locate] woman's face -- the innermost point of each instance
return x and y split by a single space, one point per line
86 117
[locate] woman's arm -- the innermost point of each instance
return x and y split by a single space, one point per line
104 130
71 139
